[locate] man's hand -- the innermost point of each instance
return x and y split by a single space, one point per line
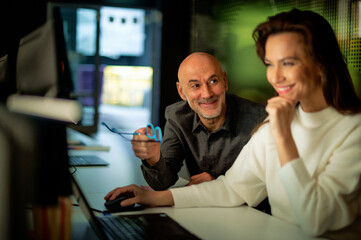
145 149
199 178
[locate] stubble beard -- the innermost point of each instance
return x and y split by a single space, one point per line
212 99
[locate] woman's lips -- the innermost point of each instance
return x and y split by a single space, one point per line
285 89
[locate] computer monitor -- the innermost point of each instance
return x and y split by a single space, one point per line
15 144
42 67
33 168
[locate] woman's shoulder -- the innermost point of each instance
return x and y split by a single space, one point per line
263 132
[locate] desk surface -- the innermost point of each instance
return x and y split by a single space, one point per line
207 223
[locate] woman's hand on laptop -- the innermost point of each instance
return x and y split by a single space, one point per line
141 196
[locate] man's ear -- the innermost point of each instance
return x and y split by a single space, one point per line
225 81
180 91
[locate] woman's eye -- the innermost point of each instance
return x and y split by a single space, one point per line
288 63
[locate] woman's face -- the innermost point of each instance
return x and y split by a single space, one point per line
291 71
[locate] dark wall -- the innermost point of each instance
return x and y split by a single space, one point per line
16 20
175 47
19 18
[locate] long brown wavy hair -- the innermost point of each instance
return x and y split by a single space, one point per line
321 45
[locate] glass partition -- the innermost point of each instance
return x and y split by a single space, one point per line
114 56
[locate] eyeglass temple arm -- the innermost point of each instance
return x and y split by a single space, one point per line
116 131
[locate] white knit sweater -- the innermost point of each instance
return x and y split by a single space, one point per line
319 191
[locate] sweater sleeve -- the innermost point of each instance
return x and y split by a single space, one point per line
330 200
206 194
242 183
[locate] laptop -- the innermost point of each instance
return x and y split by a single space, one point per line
86 161
134 226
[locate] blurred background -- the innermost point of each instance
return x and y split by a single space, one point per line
124 54
224 28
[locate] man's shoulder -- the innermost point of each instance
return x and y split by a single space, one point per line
246 104
178 110
180 106
247 110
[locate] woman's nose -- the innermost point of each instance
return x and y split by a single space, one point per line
276 75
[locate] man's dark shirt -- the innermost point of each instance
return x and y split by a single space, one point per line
187 139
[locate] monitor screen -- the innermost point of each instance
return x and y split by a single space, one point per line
33 168
42 67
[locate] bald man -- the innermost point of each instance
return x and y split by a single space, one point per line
207 130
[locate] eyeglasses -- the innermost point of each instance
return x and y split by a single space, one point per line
154 133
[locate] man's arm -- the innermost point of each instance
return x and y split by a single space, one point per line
164 173
199 178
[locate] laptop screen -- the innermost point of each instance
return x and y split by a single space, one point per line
84 206
154 225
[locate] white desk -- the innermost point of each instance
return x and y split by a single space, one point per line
207 223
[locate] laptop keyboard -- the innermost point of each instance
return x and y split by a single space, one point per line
77 160
86 161
124 227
